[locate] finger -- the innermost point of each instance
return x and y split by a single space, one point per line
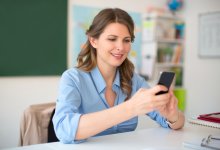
171 88
162 97
161 109
171 92
158 103
157 89
174 102
164 105
171 103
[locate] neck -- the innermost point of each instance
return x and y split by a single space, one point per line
108 74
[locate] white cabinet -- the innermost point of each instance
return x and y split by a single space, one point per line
162 46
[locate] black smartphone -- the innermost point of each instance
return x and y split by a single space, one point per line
166 79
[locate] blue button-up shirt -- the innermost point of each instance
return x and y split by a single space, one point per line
84 92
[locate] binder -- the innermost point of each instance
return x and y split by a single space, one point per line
207 143
212 117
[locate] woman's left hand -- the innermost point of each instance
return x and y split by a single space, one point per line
170 110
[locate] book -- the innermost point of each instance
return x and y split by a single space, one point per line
203 123
212 117
176 58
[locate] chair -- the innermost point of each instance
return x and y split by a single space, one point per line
36 124
51 133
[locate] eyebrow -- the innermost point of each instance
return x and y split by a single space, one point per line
117 36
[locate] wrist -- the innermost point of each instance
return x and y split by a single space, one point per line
172 122
130 108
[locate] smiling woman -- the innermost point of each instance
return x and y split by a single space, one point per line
103 95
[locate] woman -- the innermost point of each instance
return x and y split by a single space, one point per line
103 95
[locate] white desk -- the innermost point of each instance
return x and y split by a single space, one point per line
157 138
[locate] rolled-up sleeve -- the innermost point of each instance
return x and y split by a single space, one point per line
158 118
66 117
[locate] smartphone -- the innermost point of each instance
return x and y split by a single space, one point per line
166 79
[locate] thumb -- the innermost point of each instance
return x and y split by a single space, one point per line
157 89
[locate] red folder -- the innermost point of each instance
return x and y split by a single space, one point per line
212 117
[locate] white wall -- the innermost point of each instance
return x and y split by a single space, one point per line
16 93
202 75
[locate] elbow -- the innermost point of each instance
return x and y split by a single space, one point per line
65 130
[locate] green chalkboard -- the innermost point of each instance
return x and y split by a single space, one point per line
33 37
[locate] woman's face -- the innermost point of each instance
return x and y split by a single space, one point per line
112 46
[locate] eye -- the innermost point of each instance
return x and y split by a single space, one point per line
112 39
127 40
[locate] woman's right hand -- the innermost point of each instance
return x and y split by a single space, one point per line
146 100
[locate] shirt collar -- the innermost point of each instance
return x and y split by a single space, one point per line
117 79
99 80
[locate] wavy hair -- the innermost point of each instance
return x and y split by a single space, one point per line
86 59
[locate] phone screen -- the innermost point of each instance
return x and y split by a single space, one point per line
166 79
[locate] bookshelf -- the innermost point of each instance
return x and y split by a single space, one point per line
162 46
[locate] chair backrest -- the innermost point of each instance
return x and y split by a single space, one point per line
51 133
35 123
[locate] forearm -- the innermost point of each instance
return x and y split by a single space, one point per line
94 123
142 102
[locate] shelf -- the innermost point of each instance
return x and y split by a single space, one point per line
167 16
169 41
178 41
163 46
168 65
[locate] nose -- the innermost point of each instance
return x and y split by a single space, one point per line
119 45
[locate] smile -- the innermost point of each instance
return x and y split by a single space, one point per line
118 56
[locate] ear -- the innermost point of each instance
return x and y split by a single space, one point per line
93 42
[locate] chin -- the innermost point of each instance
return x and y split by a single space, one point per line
116 64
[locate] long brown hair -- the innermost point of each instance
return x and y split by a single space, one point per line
87 56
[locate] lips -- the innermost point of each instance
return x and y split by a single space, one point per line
117 56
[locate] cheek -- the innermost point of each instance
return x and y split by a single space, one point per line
127 48
105 46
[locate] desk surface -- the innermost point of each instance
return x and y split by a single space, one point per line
157 138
